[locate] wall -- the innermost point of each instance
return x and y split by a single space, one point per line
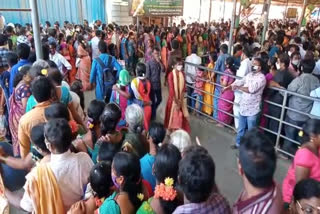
118 12
56 10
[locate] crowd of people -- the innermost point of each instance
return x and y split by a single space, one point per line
113 157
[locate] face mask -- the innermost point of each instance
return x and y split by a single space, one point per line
296 62
289 53
278 66
179 67
115 182
254 68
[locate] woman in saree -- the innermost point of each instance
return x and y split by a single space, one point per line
18 102
141 88
164 50
189 41
227 96
85 63
177 116
209 86
184 44
71 59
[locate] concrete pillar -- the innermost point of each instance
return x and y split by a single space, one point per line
36 28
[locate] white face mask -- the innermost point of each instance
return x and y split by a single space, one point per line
289 53
296 62
278 66
179 67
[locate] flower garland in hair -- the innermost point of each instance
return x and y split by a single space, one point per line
90 124
165 190
74 126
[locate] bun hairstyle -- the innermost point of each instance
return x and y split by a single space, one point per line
311 127
135 118
95 110
110 118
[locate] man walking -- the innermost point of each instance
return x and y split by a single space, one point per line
102 75
154 69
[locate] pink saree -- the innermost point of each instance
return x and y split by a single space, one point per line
84 67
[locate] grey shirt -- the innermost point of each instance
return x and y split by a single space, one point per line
153 73
303 84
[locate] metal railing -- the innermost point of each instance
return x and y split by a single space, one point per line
279 136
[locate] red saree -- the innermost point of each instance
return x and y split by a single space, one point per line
176 117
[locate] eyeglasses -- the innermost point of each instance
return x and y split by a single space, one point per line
308 209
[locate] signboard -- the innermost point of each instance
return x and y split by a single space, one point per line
156 7
292 13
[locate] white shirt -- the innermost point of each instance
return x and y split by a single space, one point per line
60 61
316 104
94 46
191 70
316 69
71 171
244 69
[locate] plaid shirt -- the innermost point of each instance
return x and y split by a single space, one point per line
216 204
3 57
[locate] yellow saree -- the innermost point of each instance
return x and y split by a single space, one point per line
209 88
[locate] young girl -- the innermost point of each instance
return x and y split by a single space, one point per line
165 167
306 163
227 96
120 94
130 191
197 95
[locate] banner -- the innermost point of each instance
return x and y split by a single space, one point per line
156 7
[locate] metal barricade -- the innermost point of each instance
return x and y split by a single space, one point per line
284 108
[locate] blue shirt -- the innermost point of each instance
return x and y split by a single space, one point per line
96 75
123 47
273 51
220 65
14 71
146 163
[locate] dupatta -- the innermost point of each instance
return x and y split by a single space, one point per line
43 189
178 113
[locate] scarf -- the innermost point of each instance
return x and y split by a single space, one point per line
44 191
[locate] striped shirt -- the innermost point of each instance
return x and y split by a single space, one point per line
267 202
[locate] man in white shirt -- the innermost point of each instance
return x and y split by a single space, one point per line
70 170
191 71
58 59
244 69
94 44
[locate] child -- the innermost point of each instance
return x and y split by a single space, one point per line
197 95
120 95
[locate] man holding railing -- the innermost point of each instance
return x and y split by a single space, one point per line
251 86
303 85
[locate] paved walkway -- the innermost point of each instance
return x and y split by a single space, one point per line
217 141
